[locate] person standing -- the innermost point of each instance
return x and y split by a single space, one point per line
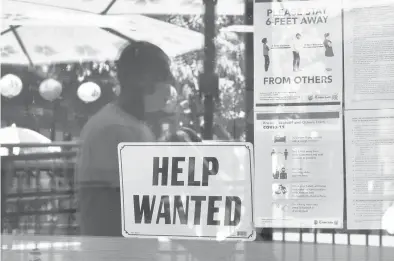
329 52
276 175
297 48
143 71
283 174
266 50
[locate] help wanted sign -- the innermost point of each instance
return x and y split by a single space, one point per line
187 190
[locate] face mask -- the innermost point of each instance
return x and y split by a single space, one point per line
163 99
161 108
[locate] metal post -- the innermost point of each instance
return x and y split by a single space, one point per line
55 108
208 79
249 73
266 233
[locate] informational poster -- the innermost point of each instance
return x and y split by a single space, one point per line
187 190
369 167
369 54
298 52
299 167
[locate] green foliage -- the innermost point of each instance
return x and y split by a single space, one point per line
229 63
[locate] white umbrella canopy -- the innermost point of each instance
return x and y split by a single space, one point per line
174 40
16 12
68 38
186 7
54 44
17 135
92 6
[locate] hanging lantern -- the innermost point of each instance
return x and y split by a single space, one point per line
89 92
10 85
50 89
172 101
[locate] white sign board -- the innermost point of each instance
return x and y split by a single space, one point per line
369 167
298 52
299 167
187 190
368 52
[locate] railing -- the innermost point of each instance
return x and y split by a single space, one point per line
38 197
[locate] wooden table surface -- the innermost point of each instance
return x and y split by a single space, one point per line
58 248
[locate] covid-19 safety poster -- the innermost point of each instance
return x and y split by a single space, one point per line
323 113
298 114
298 52
298 167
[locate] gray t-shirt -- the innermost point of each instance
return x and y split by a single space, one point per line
97 171
97 163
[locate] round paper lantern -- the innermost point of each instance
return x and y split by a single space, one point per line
50 89
10 85
89 92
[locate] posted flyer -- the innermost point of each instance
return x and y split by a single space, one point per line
299 167
369 54
298 52
369 167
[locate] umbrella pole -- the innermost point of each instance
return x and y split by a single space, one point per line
208 79
249 73
53 123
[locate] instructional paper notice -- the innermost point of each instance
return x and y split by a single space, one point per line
298 52
370 167
299 167
369 54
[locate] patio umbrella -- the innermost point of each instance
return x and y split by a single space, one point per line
185 7
17 135
32 41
